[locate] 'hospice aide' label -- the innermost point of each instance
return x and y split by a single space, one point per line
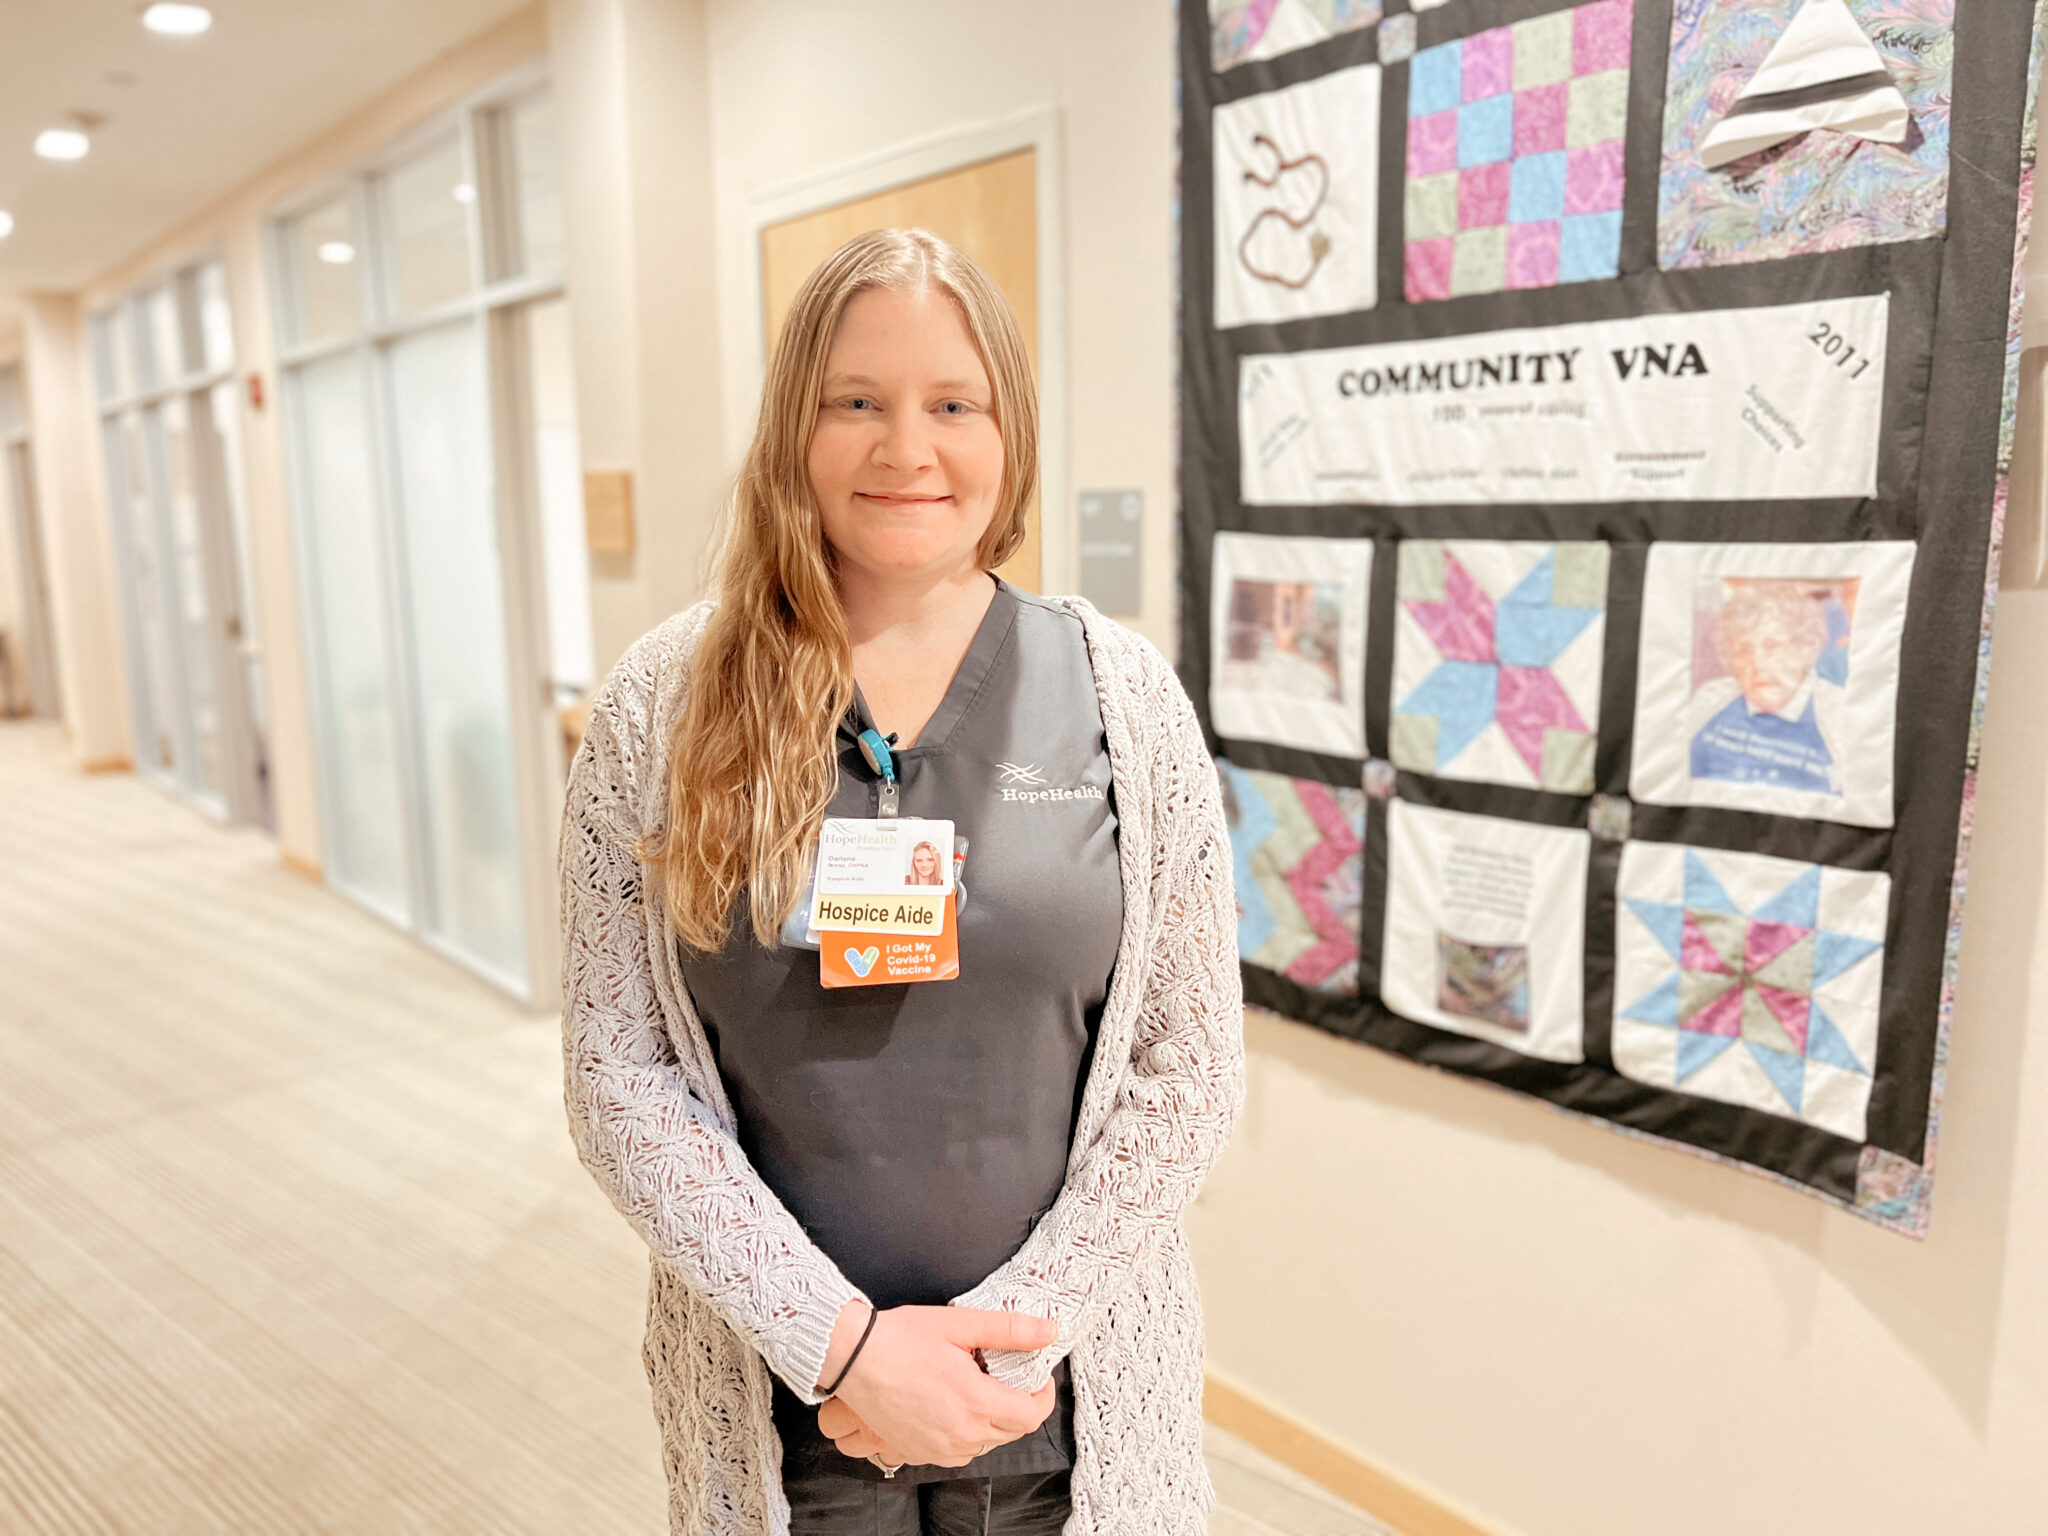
883 906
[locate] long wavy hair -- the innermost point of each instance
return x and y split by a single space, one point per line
753 764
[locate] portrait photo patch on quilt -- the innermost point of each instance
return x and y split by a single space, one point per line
1750 979
1296 848
1776 403
1485 928
1497 654
1827 188
1297 200
1287 660
1767 678
1515 155
1243 30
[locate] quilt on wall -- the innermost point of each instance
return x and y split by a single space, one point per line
1592 478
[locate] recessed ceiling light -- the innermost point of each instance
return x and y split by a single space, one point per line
62 144
464 192
177 20
336 253
6 223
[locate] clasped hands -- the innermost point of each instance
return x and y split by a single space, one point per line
917 1393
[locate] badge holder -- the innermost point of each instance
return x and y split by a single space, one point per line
885 894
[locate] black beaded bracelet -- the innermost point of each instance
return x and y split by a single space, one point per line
873 1313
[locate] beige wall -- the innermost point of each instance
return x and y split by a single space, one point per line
773 91
1577 1334
630 76
233 228
802 87
1570 1332
1581 1335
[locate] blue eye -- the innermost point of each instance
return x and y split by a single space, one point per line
859 402
955 407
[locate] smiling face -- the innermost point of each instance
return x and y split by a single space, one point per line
906 461
924 865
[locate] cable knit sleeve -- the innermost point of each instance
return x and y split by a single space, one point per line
1177 1101
658 1151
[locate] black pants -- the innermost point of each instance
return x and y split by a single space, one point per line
1035 1504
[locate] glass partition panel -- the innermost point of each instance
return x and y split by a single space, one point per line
216 321
171 430
455 617
121 350
323 255
162 357
128 480
105 377
225 406
529 142
426 205
366 839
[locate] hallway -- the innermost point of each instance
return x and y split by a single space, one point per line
292 1237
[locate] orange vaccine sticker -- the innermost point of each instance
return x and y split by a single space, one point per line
873 959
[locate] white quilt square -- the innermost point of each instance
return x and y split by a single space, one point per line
1287 641
1296 206
1768 678
1485 931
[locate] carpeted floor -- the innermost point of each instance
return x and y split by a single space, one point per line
292 1238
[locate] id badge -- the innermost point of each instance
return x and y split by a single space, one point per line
885 905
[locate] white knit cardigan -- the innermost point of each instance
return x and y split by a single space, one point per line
738 1288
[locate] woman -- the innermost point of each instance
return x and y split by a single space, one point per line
924 865
917 1255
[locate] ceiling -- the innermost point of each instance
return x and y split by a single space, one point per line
187 119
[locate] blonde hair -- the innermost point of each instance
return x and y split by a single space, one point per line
752 763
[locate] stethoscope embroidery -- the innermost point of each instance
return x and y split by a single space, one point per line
1318 242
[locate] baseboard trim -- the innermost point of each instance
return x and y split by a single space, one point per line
107 765
1381 1492
302 866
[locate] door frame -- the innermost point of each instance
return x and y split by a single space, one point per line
1037 129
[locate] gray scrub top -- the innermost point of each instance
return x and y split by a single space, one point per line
918 1132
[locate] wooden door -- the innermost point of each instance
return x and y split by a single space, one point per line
989 211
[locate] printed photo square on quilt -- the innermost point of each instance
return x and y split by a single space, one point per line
1497 657
1825 188
1750 979
1243 30
1485 928
1768 678
1287 641
1515 155
1296 202
1297 854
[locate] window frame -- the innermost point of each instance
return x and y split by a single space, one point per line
492 305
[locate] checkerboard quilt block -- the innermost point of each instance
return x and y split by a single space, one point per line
1751 979
1515 154
1497 659
1296 848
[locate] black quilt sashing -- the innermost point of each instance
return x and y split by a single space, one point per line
1584 548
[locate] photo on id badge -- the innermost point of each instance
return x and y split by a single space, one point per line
884 902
